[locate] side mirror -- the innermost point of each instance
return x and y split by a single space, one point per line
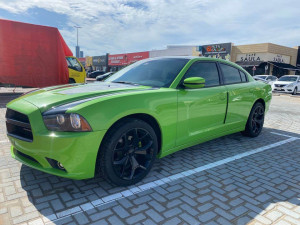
194 82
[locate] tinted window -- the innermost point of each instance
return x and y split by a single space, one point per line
153 72
206 70
243 76
231 74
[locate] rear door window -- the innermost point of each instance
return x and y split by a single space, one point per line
243 76
231 75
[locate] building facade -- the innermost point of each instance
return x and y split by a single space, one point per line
119 61
266 58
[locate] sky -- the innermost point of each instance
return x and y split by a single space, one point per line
122 26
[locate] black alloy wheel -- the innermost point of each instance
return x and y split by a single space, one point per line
133 154
255 121
128 152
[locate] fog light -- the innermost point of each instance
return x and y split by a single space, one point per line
60 166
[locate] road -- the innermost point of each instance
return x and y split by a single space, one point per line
230 180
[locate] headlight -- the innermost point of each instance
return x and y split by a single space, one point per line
290 85
66 122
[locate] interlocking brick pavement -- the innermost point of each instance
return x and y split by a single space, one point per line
261 188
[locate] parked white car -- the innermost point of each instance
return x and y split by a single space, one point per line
269 79
289 84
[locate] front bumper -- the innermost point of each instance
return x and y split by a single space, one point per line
76 151
284 89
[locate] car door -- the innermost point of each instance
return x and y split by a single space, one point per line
201 112
240 95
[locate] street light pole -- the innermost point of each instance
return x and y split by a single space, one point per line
77 27
77 46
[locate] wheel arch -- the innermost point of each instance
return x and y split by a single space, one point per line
142 116
261 101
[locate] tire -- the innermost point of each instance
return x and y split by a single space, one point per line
127 152
255 121
72 81
295 91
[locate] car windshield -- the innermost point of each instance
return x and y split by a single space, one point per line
288 78
155 72
261 76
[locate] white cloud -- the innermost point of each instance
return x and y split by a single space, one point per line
118 26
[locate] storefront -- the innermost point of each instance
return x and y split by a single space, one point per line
119 61
266 59
222 51
100 63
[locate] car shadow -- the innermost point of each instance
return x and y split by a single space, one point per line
258 183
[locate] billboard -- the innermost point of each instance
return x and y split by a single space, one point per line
99 60
127 58
222 50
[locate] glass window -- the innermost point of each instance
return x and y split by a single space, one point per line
206 70
73 64
159 72
231 74
243 76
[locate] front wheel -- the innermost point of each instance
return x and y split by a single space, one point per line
128 152
295 91
72 81
255 121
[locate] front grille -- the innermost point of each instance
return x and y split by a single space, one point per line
279 85
18 125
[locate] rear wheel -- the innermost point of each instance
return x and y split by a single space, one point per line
255 121
295 91
128 152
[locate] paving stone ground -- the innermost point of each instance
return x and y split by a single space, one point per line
261 188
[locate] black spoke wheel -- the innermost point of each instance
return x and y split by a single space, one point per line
128 152
255 121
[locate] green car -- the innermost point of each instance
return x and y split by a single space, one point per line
149 109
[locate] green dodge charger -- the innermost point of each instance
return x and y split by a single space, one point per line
149 109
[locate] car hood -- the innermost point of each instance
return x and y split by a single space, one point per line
283 82
46 98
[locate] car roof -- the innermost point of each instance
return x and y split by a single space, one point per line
290 76
195 58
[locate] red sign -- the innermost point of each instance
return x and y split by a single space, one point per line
82 60
254 68
126 59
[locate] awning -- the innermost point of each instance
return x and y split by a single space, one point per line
285 66
249 63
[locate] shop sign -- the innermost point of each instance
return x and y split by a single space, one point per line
263 57
126 59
